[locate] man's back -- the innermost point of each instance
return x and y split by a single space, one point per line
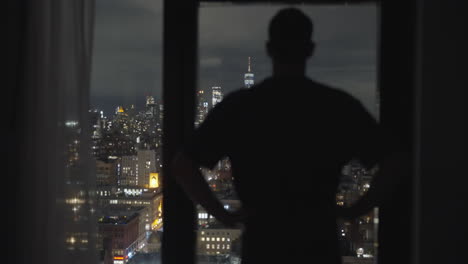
287 140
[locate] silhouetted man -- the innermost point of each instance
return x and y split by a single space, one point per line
288 138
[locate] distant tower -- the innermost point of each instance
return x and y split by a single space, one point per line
217 95
202 108
149 101
249 77
151 106
119 110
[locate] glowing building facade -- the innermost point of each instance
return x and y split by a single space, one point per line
138 170
202 108
217 95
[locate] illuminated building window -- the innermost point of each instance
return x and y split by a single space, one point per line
202 239
207 246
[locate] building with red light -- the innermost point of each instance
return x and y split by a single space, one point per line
122 234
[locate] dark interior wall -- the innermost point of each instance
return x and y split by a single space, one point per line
441 165
423 55
12 131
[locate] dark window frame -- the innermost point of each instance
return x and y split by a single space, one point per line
395 83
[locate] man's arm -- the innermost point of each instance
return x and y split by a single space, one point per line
189 177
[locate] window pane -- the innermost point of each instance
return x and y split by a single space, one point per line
126 120
233 56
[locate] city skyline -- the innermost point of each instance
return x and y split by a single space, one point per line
127 68
129 176
127 63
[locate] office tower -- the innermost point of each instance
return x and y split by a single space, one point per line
146 166
151 107
217 95
119 110
137 170
249 77
127 171
149 101
120 235
97 125
202 108
161 112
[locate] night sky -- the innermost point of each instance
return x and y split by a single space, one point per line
127 54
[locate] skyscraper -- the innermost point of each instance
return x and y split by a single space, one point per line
202 108
149 101
217 95
146 166
137 169
249 77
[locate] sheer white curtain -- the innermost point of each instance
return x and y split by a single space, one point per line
57 171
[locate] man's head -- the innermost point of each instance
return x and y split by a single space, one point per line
290 37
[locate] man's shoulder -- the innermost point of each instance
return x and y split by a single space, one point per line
232 104
245 95
311 89
236 97
330 91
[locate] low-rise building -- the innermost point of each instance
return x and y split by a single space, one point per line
217 241
121 232
152 199
204 220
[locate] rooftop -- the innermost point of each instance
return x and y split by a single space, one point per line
117 219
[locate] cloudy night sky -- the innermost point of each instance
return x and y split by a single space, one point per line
127 59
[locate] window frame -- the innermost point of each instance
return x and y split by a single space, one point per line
179 94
